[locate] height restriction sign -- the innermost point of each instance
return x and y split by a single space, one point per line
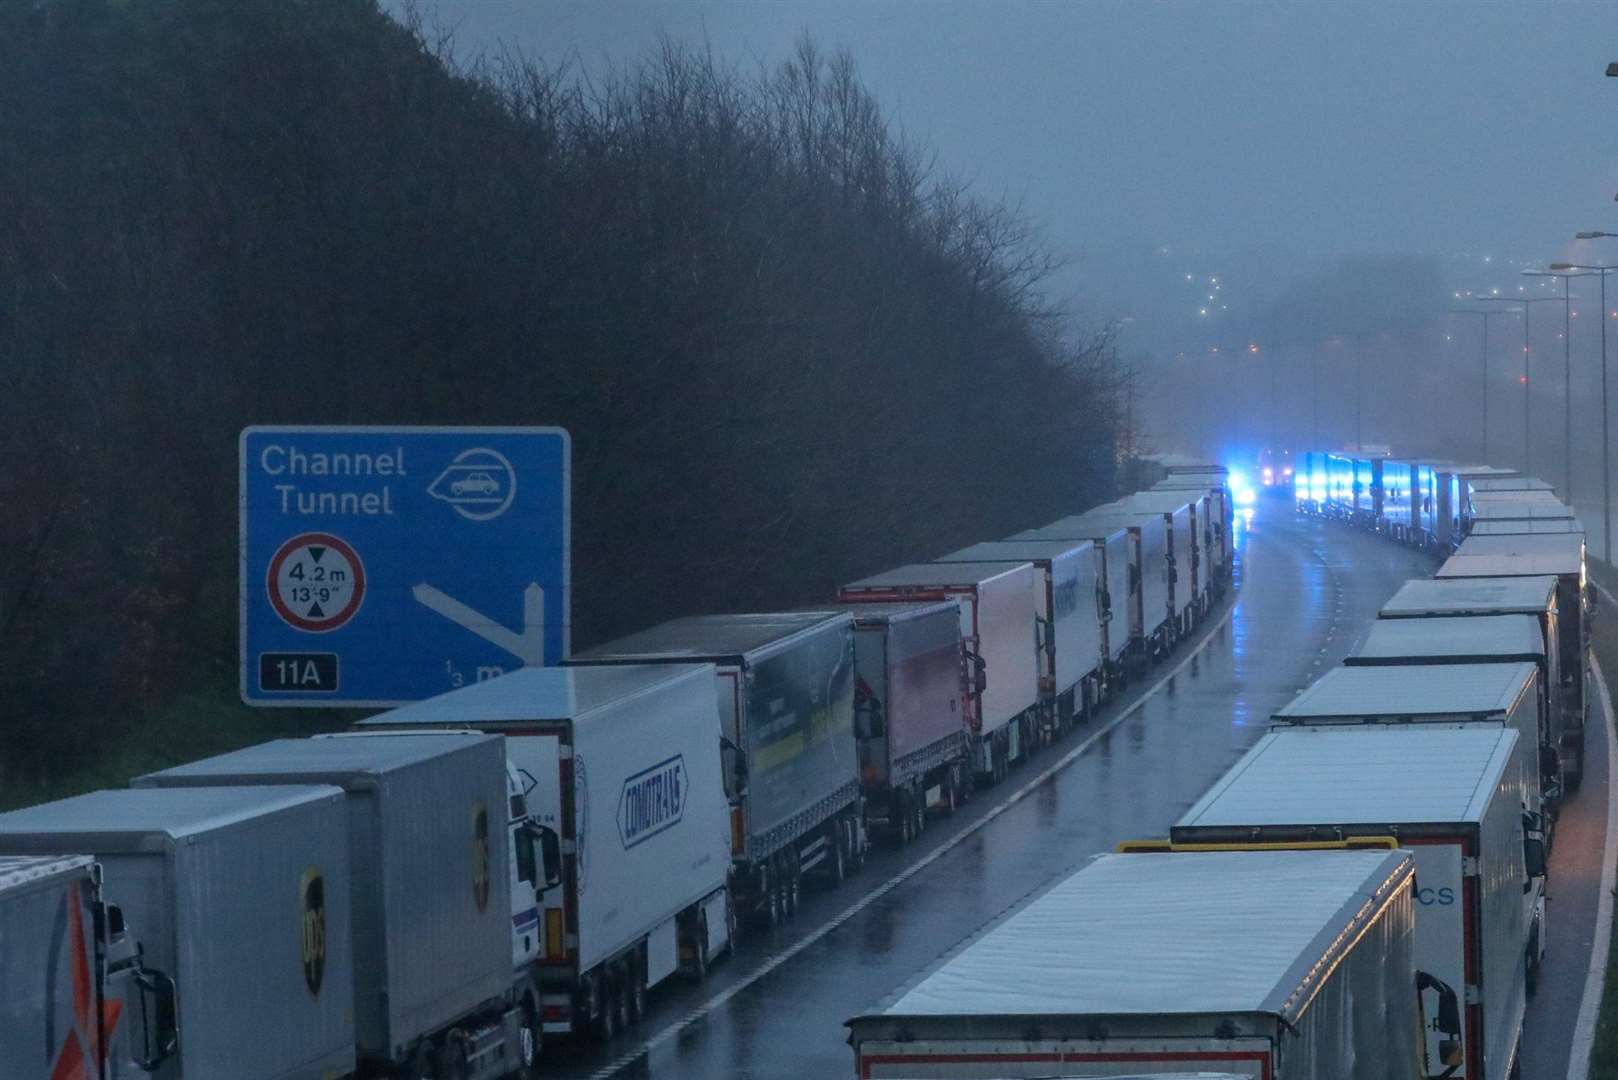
385 565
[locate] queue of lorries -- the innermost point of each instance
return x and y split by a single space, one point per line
1362 895
438 891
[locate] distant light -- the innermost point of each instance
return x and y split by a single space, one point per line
1202 311
1188 277
1253 347
1488 258
1448 338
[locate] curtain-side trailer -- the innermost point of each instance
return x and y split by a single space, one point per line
1453 798
1537 596
622 766
785 683
1000 609
1259 964
910 694
1073 591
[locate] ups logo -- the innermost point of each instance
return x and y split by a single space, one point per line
480 855
313 894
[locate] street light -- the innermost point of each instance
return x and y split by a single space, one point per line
1567 375
1486 316
1606 442
1527 303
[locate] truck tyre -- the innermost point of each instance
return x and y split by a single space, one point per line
605 996
907 821
838 864
529 1039
793 883
774 915
421 1063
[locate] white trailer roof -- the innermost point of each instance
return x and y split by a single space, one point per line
698 637
1518 483
897 610
1521 511
1227 932
1471 596
1565 544
1016 550
19 871
1078 527
1518 564
121 819
1538 496
1519 528
957 575
542 693
1355 776
1514 636
1158 502
1412 690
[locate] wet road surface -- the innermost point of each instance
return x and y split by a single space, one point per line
1307 591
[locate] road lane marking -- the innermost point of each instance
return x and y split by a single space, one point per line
702 1010
1584 1029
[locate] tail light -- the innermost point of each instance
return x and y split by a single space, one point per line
555 936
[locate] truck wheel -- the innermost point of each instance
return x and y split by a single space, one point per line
421 1063
794 883
921 813
620 996
839 856
774 915
907 820
530 1036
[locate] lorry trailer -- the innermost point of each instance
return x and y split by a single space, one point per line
241 896
1119 545
1454 799
442 977
1155 626
1259 964
1447 695
619 768
1000 608
66 956
910 691
1494 639
785 685
1215 527
1073 594
1187 596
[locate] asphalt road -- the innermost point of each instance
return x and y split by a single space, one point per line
1307 591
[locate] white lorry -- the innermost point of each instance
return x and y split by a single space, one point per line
1073 653
622 766
1454 799
1000 610
1259 964
442 863
79 1002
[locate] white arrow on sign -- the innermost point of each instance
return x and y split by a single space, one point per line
528 646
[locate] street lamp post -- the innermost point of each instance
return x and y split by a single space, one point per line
1527 303
1486 316
1567 374
1606 441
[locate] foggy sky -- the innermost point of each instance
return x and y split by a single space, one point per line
1444 128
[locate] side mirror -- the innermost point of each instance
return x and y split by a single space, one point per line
734 766
868 722
550 855
159 1028
980 672
1448 1021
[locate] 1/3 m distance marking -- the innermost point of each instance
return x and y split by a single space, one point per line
316 582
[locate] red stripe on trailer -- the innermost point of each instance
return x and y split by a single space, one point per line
1177 1056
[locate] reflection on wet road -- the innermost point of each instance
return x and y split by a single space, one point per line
1307 591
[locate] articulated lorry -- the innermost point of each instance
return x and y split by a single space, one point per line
910 694
1178 512
241 896
785 684
622 766
1073 655
79 1002
1000 609
1258 964
1118 549
1497 639
1490 597
1561 556
1214 527
439 978
1454 799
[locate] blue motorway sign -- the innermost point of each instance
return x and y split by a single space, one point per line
383 565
